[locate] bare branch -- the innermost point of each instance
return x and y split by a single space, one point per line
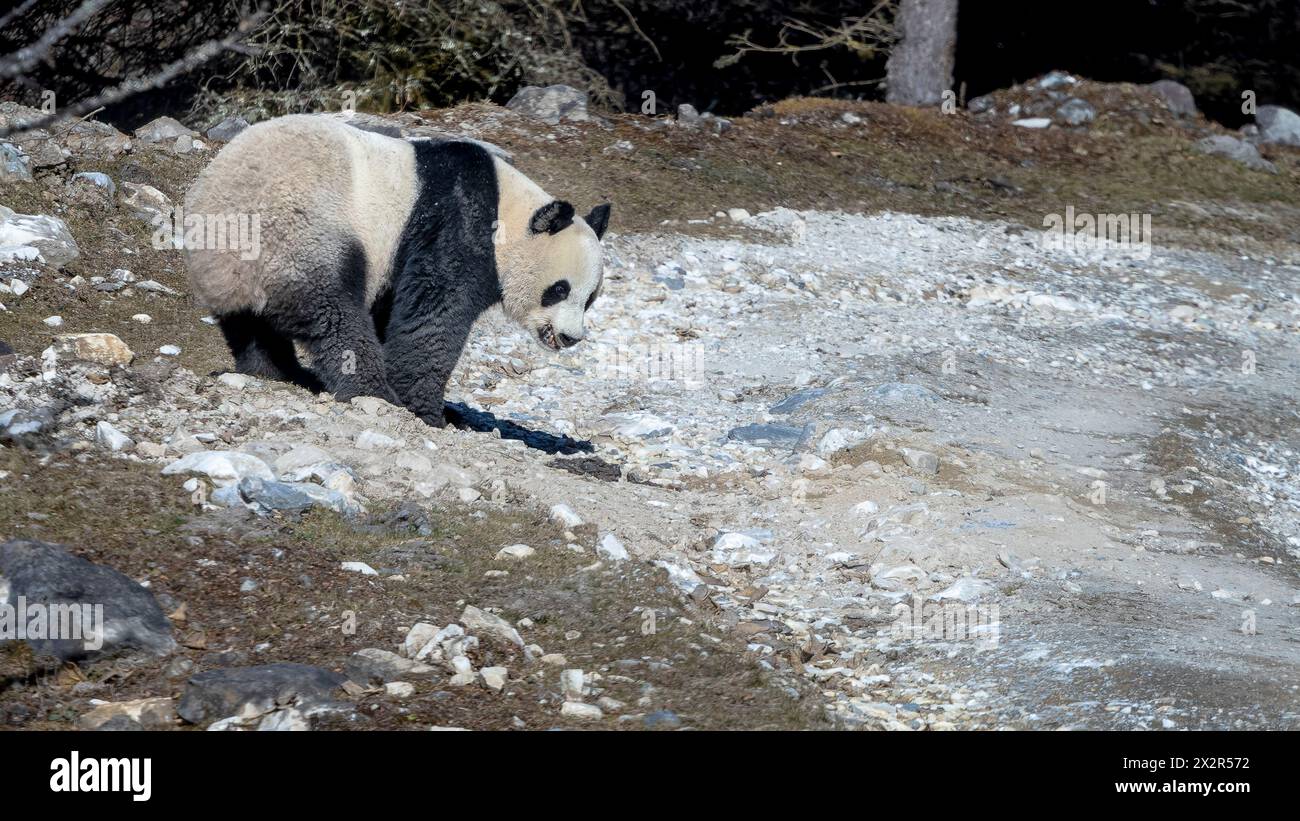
128 88
16 12
28 56
865 36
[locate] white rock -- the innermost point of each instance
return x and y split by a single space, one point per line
359 567
584 712
143 319
33 237
867 508
737 214
921 460
55 321
17 286
740 548
494 677
1033 122
612 548
170 350
221 466
374 440
399 689
420 634
110 437
565 515
967 589
840 439
479 621
515 551
571 684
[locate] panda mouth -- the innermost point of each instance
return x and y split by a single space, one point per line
546 334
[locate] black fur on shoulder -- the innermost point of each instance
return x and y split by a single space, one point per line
444 273
551 218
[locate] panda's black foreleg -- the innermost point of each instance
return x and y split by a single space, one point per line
430 320
419 360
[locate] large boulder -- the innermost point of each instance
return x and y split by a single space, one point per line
550 104
33 237
1278 125
1222 145
1175 95
88 609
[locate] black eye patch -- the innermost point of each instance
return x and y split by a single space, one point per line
557 293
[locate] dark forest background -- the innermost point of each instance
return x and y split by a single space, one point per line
422 53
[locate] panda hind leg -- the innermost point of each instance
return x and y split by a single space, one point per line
261 351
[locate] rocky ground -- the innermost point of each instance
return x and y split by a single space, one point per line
837 390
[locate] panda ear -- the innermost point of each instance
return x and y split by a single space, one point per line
598 219
551 218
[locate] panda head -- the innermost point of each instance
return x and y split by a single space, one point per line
554 271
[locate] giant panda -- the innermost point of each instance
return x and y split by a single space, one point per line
377 254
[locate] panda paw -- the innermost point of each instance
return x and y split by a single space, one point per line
452 416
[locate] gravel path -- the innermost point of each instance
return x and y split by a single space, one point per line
955 478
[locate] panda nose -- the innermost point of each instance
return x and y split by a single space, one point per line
566 341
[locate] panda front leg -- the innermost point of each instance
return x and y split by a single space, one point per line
429 323
419 359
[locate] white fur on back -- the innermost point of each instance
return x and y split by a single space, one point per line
315 185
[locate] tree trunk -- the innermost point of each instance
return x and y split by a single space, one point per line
919 69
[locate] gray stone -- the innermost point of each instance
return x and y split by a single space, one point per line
1234 149
662 719
480 622
1278 125
217 694
797 399
375 666
15 165
921 460
41 573
226 130
162 130
551 104
1076 112
292 496
1177 96
769 435
894 392
145 201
